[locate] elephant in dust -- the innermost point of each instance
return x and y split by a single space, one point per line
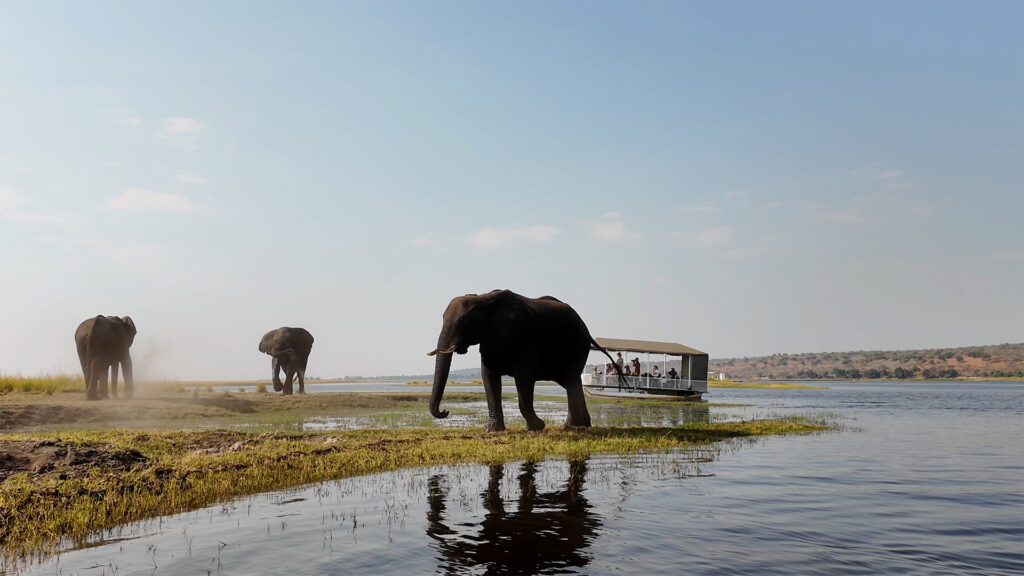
103 343
529 339
540 533
289 351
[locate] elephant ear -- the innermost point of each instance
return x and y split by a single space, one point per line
127 320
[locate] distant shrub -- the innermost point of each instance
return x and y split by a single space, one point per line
261 388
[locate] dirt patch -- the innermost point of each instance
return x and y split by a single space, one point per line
66 460
12 417
227 403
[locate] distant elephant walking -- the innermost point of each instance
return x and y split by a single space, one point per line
103 343
289 349
529 339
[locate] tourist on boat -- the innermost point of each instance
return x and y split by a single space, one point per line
618 361
597 370
672 373
655 373
636 366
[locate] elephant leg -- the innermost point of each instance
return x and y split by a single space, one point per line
289 374
113 380
578 417
83 356
275 367
92 374
101 382
525 387
129 376
492 387
301 375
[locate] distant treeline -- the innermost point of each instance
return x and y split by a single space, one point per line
999 361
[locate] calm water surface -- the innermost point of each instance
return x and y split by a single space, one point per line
923 479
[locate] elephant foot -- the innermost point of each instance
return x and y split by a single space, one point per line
571 425
494 426
535 425
278 386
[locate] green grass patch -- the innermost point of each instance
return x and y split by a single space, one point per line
81 482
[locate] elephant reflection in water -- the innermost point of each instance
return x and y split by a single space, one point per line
545 532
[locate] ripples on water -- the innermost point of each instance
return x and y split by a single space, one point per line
924 479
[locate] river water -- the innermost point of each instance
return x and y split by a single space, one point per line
923 478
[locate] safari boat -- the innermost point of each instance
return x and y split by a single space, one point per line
665 369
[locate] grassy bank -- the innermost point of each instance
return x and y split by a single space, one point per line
48 385
763 385
67 485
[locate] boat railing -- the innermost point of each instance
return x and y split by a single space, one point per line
648 382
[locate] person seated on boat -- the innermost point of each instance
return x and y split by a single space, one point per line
655 373
597 370
672 373
608 369
636 366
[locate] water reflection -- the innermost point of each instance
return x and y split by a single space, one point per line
663 414
542 533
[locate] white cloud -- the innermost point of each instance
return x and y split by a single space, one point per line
741 253
54 218
180 126
886 175
141 200
422 241
136 254
193 179
131 121
1010 255
10 203
713 236
735 193
611 228
845 217
491 238
10 199
698 209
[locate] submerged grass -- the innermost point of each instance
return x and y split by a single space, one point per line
132 476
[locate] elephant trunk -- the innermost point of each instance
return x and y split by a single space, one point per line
442 365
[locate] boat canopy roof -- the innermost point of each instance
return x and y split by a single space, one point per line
670 348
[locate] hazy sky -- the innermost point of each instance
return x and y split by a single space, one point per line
742 178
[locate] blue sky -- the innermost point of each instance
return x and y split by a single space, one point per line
743 178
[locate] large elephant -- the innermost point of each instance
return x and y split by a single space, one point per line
103 343
529 339
289 349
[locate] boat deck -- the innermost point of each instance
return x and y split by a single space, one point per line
640 386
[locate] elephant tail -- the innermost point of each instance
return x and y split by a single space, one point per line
618 368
